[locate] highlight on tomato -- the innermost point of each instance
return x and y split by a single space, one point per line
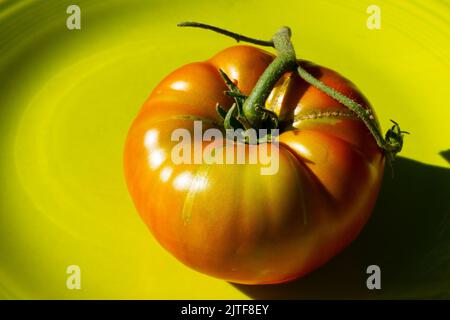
195 156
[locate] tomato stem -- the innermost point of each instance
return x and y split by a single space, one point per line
253 111
253 107
235 36
394 137
285 61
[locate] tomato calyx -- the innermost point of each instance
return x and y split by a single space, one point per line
236 119
247 112
394 139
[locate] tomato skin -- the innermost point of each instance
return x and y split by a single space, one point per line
228 220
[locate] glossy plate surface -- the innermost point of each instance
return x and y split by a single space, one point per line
67 99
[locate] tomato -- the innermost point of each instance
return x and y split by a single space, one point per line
230 221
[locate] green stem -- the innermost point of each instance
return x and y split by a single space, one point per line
254 105
346 101
394 142
235 36
257 116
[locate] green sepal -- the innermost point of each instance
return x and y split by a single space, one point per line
221 111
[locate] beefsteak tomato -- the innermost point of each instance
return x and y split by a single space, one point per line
229 220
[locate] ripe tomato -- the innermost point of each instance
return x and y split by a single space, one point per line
228 220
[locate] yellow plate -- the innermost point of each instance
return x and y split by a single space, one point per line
67 98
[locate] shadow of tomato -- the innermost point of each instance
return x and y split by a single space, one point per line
408 236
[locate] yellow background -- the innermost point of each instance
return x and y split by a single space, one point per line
67 99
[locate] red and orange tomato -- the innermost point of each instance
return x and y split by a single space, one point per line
228 220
